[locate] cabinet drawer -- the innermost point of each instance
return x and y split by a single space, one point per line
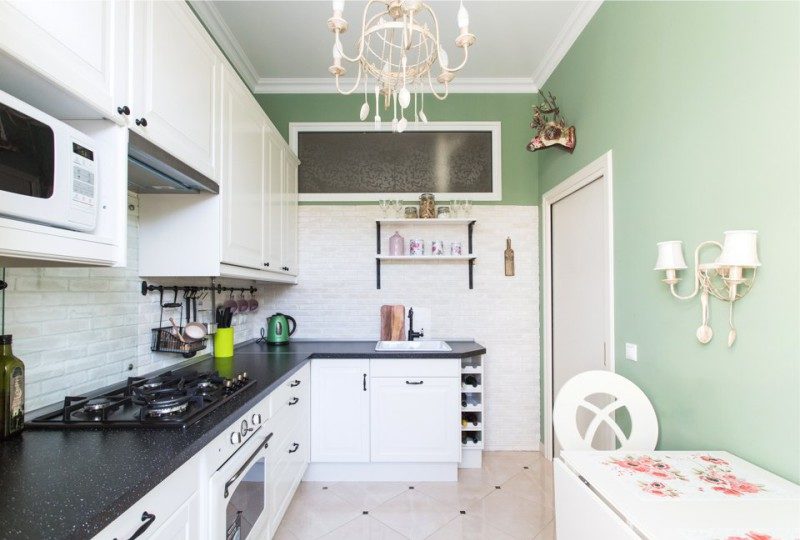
288 463
163 502
296 386
415 367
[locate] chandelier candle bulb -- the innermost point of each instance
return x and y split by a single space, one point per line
463 19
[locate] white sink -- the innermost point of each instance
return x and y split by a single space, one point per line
429 345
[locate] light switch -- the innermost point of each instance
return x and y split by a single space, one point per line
632 352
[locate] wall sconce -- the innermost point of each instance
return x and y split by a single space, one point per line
726 278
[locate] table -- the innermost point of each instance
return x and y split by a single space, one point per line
689 495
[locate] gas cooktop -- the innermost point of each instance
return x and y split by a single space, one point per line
170 400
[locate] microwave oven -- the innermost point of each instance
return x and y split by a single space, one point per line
48 169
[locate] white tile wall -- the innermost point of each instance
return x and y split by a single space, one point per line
78 329
337 298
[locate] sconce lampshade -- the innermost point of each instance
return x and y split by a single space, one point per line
670 256
739 249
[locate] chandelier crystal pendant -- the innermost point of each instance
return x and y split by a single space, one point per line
399 49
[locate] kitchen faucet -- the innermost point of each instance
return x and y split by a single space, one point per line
411 333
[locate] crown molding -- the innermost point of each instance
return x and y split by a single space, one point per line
577 21
222 34
327 85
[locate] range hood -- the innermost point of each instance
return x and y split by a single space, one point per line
152 170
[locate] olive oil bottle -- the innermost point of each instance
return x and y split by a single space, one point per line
12 390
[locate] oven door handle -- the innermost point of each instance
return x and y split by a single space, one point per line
237 474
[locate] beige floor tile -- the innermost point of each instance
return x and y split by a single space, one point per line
512 514
549 532
368 495
469 527
495 473
315 511
459 494
530 459
414 514
527 486
364 528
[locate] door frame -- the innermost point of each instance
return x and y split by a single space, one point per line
601 167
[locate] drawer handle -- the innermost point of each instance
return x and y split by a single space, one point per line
414 382
148 519
294 401
295 448
295 383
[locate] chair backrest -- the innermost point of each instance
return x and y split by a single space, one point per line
572 396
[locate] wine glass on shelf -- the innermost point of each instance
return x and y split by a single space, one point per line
398 208
467 208
384 205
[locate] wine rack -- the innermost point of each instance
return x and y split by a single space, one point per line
472 411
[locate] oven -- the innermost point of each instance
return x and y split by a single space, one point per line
48 170
239 499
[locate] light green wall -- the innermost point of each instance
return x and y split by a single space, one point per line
699 103
520 185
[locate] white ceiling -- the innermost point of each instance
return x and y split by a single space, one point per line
285 46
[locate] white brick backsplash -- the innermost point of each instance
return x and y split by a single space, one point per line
78 329
337 298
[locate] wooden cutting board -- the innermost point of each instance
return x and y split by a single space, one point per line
393 323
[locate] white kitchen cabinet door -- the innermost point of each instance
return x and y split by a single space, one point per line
80 45
290 214
273 202
184 524
340 421
415 419
243 175
174 83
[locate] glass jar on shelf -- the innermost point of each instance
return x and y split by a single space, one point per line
427 206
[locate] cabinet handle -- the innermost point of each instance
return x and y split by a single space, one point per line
266 264
141 122
148 519
365 382
295 383
295 448
294 401
414 382
124 110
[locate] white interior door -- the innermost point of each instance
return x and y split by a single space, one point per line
580 297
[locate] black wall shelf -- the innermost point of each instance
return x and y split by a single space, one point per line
469 258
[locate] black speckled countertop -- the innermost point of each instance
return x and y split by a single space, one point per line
72 483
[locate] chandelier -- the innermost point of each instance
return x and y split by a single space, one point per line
399 48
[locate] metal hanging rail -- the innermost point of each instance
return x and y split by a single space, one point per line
196 288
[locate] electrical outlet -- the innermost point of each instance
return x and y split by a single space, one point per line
632 352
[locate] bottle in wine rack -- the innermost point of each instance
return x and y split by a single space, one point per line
470 418
471 380
463 400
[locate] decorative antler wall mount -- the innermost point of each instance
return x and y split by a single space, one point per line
551 126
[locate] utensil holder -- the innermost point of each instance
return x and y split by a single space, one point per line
223 343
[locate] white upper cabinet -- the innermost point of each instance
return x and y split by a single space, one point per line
174 83
273 202
290 226
243 175
79 45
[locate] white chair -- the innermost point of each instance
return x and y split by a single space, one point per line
572 396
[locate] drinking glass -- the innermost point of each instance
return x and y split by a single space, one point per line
384 206
467 208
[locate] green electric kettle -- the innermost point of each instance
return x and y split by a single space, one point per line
278 331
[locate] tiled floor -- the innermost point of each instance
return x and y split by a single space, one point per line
510 498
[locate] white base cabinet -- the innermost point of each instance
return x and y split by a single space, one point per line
415 419
340 422
385 419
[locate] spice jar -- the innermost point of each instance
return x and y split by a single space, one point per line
427 206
